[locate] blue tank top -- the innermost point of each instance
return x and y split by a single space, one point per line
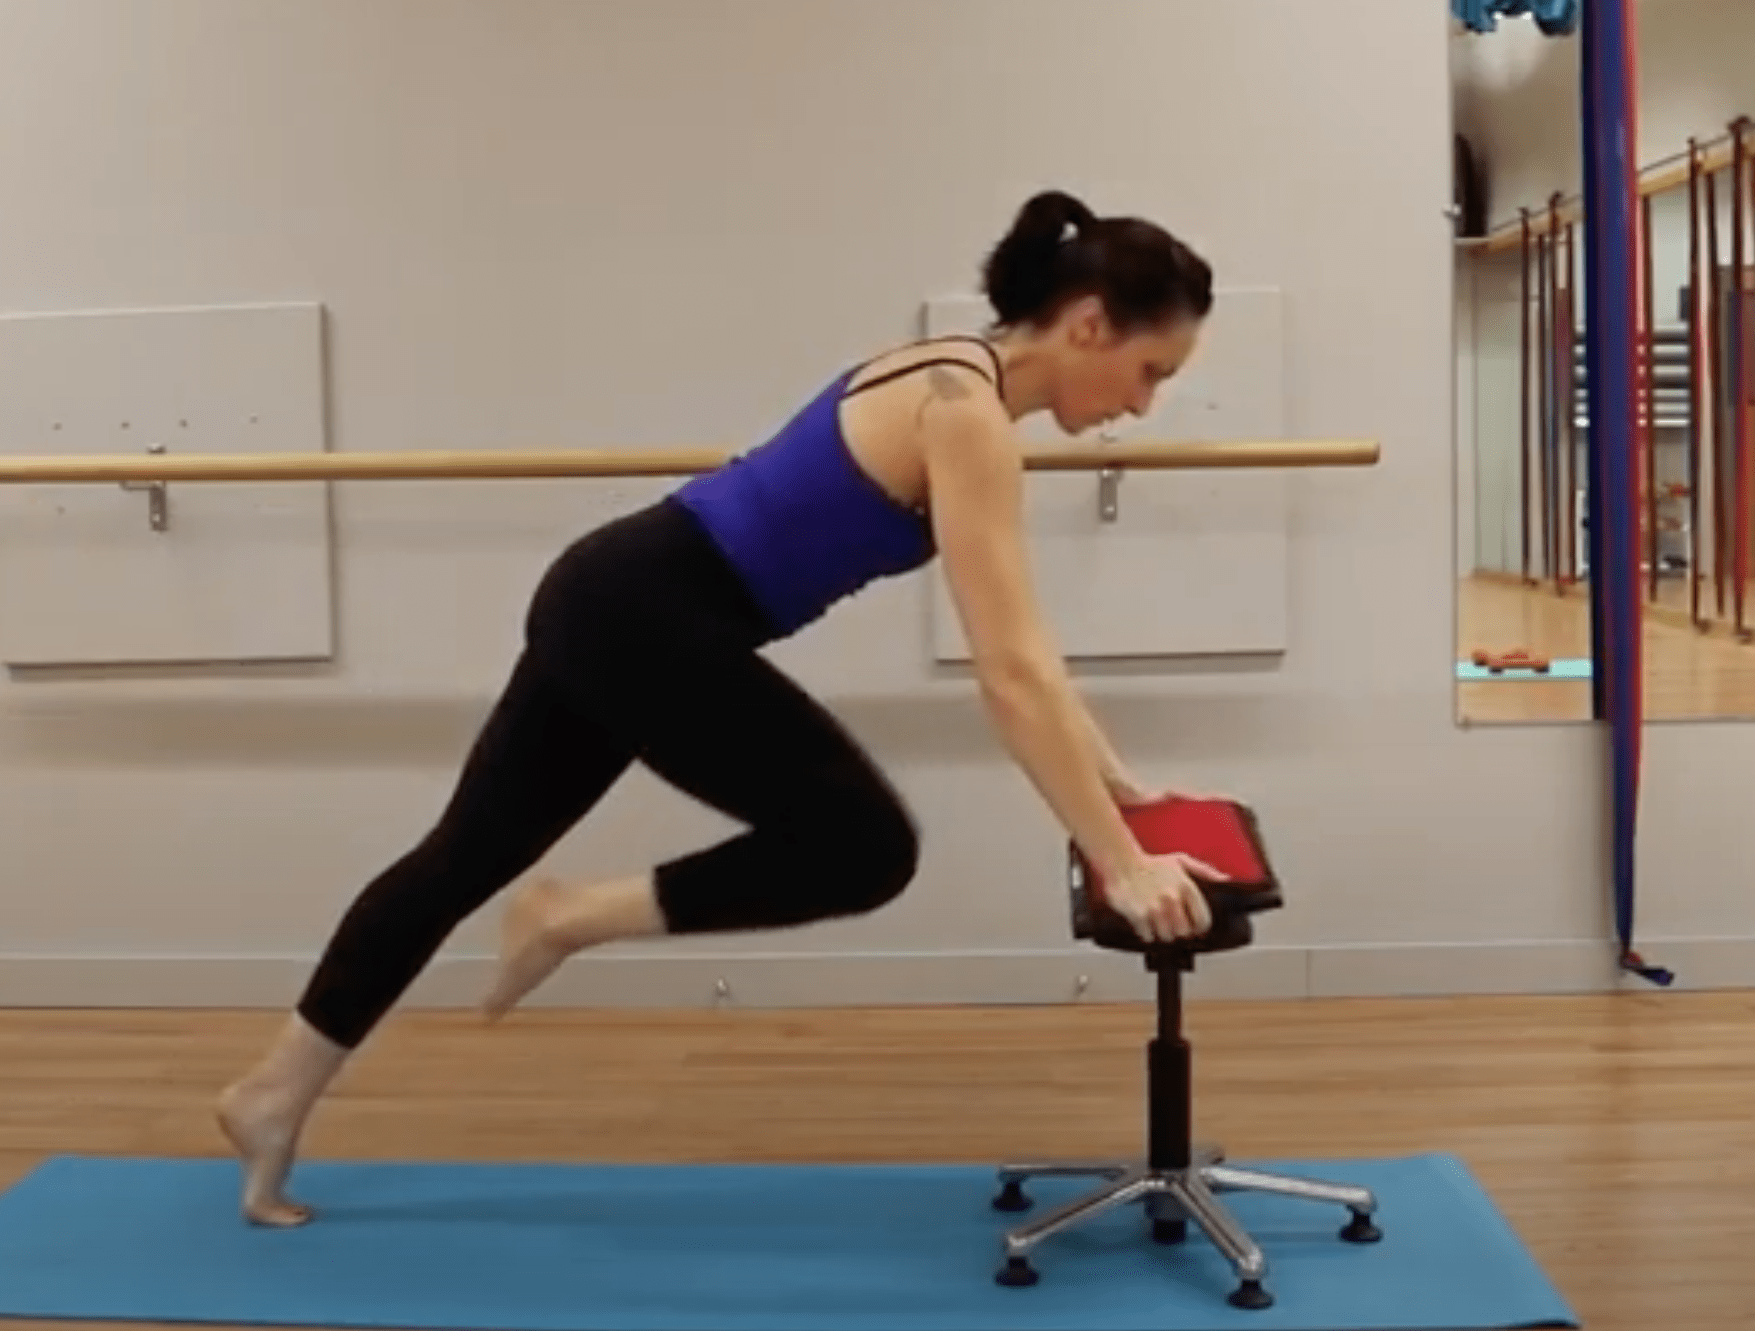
800 521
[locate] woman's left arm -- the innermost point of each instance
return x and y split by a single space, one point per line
1120 782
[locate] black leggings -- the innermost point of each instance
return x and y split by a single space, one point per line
640 644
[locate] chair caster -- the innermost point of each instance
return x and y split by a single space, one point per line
1360 1229
1250 1295
1012 1197
1169 1231
1017 1272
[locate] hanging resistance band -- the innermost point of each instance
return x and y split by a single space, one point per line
1525 365
1739 375
1647 434
1611 193
1696 379
1568 359
1710 341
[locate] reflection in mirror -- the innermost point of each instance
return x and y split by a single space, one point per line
1523 606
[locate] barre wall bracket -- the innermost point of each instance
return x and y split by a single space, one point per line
158 503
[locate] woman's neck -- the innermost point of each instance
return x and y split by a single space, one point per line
1027 365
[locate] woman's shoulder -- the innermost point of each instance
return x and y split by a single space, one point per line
951 353
904 407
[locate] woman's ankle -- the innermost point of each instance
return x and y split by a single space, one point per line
300 1062
610 910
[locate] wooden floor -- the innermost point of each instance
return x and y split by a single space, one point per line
1689 675
1616 1132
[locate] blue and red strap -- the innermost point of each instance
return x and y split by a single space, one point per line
1611 204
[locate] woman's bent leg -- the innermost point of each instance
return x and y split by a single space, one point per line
827 836
536 768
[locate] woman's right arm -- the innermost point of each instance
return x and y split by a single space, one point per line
976 482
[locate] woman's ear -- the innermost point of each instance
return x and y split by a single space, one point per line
1085 322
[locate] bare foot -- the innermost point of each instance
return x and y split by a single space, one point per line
548 921
531 947
263 1131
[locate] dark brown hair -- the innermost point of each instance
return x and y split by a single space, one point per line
1058 250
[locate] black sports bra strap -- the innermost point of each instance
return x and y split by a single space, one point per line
890 375
998 377
983 343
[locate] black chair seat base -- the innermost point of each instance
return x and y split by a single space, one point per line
1171 1198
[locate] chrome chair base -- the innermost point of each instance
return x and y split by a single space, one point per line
1172 1198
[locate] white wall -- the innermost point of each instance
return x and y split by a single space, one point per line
1488 423
507 261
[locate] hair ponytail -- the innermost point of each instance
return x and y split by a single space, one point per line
1057 250
1024 270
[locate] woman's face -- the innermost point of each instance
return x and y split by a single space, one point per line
1104 375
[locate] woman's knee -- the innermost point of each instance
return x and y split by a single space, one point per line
877 845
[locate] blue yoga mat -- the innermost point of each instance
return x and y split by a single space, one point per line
1578 667
524 1247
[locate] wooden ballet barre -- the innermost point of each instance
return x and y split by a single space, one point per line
1143 455
1671 174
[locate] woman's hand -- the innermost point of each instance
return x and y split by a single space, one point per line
1161 899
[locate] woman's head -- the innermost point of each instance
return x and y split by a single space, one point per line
1113 305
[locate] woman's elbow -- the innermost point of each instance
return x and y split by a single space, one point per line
1013 680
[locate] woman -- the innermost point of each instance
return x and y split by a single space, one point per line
641 644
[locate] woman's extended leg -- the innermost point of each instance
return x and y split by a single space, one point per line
535 769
